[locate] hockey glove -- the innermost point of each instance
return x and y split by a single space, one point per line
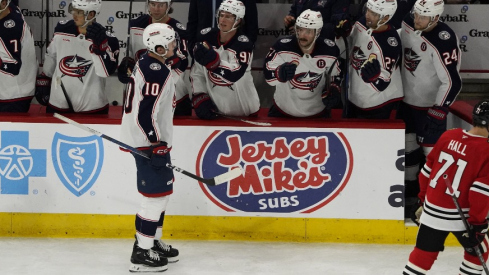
436 124
98 34
370 71
125 69
475 236
343 28
159 155
206 56
286 71
332 97
416 211
43 89
203 106
174 61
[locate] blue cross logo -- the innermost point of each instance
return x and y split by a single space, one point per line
18 162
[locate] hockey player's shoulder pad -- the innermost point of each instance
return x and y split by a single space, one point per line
13 25
207 34
66 26
287 43
244 42
153 70
445 34
326 46
141 22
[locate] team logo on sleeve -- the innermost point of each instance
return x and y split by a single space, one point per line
180 26
243 38
411 60
155 66
284 172
9 24
75 66
329 42
392 41
444 35
285 40
206 30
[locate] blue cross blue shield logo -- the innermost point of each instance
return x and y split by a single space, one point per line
77 161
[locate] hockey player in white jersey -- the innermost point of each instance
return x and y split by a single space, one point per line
221 75
298 66
18 64
81 55
431 82
159 12
147 124
375 52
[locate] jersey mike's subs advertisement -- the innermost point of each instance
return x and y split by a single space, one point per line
287 172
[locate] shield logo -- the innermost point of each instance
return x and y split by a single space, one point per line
77 161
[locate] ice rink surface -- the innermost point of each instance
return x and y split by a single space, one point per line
44 256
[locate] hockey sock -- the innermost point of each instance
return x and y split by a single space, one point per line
420 262
159 229
468 267
148 219
145 231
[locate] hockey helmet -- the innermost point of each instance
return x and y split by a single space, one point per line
430 8
158 34
86 6
234 7
480 115
383 7
310 20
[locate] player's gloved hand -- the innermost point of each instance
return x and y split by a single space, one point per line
174 61
370 71
332 97
159 155
416 212
286 71
436 124
99 37
343 28
203 106
206 56
125 69
476 234
43 89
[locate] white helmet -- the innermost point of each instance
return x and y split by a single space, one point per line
6 6
234 7
430 8
310 20
158 34
87 6
383 7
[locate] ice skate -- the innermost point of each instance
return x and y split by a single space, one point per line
166 250
147 260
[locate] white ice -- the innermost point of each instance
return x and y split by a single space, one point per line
47 256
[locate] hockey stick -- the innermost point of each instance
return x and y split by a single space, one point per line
70 105
243 120
464 220
347 76
124 92
225 177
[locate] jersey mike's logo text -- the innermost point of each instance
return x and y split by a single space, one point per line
284 172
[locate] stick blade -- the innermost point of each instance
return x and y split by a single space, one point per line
234 173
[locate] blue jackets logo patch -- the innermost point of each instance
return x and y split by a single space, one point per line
284 172
77 161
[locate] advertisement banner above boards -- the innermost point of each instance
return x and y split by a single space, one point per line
295 172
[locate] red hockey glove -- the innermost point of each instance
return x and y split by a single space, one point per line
159 155
99 37
475 236
206 56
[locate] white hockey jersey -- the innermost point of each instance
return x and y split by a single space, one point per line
301 96
137 48
149 106
69 60
386 46
230 86
431 65
19 64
